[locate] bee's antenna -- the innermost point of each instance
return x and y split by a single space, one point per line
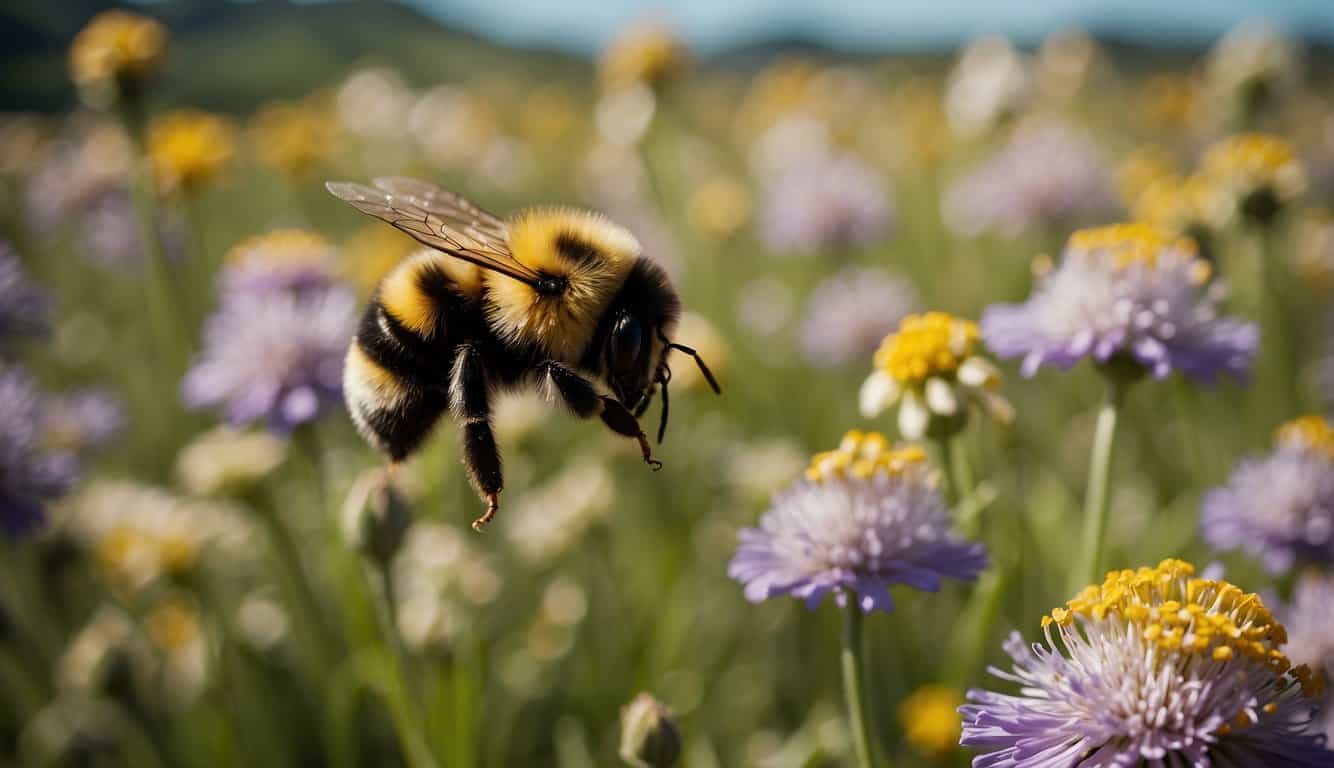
704 369
664 376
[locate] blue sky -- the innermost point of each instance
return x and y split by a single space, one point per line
713 25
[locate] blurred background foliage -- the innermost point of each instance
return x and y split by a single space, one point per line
199 599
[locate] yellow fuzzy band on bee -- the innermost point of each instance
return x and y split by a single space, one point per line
402 295
590 253
369 383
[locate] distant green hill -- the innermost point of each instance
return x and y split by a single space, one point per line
232 56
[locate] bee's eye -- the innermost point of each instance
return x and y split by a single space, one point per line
627 339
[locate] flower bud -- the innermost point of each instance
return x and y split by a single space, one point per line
376 517
649 738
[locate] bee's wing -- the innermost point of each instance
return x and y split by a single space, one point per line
439 219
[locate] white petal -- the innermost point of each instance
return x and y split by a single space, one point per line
913 416
878 392
940 397
977 372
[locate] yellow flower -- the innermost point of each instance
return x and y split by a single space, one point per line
294 137
719 207
929 367
189 149
931 720
1141 169
115 54
1258 172
1180 205
648 52
1313 258
1172 101
372 251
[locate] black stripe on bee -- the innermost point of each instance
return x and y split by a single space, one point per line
393 346
576 250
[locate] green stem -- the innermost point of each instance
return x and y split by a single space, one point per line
853 661
1278 331
1087 566
158 301
960 490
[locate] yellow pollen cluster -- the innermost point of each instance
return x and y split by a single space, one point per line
926 345
189 148
1255 158
1311 431
1127 244
284 247
1181 614
863 454
930 718
117 45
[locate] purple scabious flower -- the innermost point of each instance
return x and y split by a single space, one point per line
31 473
282 260
1311 634
1048 175
850 312
825 204
1279 508
83 420
1131 292
1153 668
24 309
863 518
274 356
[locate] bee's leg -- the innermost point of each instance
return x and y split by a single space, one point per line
580 396
470 397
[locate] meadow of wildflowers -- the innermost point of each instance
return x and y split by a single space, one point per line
1024 458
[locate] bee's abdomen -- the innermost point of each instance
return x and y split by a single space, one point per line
393 413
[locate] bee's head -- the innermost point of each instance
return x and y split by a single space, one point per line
635 340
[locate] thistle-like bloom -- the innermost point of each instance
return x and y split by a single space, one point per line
1125 292
1257 174
1153 667
189 149
23 307
1279 508
1311 634
850 312
647 52
31 474
1048 175
285 260
826 204
275 356
930 368
115 54
864 517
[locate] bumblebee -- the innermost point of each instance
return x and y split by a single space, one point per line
557 298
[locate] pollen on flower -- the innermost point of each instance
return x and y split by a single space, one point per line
1130 244
284 248
926 345
1311 432
1177 612
863 454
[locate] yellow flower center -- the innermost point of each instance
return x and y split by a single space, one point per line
1181 614
294 138
283 248
863 454
117 44
1129 244
1254 157
647 53
926 345
930 718
1312 431
189 148
173 625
